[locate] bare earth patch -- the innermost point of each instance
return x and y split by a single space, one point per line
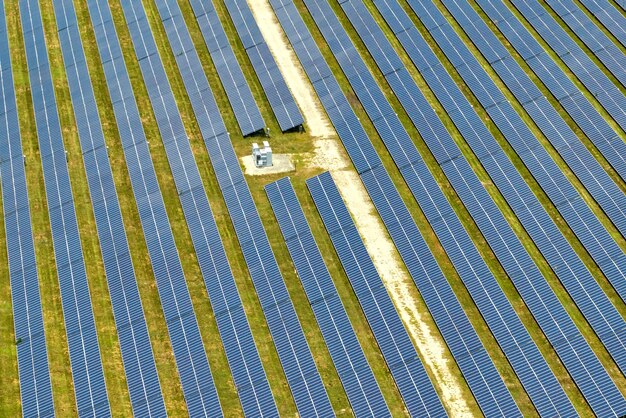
329 156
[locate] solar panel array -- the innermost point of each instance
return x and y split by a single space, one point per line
580 218
499 314
280 98
235 84
609 17
585 291
386 325
243 357
600 45
141 373
562 88
191 360
347 354
32 355
598 310
572 348
86 364
453 323
583 164
565 47
296 358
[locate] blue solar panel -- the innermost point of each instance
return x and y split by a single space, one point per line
86 363
581 25
579 108
518 264
609 16
580 160
280 98
32 355
191 360
388 329
286 331
572 55
576 154
141 374
354 371
235 84
587 227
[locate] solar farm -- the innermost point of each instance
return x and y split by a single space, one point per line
435 224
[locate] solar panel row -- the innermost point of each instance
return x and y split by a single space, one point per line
600 45
388 329
191 360
597 181
499 314
32 355
244 361
587 227
85 360
235 84
585 291
302 375
609 17
565 47
418 397
280 98
354 371
141 373
578 357
595 127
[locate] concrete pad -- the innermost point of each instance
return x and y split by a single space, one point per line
283 163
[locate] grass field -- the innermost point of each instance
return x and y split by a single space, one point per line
299 144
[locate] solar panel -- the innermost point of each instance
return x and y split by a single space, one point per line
393 339
191 361
235 84
598 310
579 108
518 264
587 227
600 45
32 355
609 16
572 55
355 373
280 98
141 374
285 328
85 360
